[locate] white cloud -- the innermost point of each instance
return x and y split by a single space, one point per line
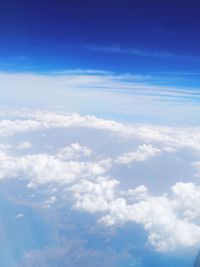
187 200
94 196
171 220
144 152
169 138
74 151
43 168
138 193
167 220
39 84
47 203
10 127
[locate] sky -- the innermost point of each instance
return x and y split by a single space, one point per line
99 133
159 38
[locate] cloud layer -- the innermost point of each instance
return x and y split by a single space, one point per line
91 178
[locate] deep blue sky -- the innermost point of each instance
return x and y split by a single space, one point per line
156 37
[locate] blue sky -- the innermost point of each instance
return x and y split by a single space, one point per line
99 128
132 36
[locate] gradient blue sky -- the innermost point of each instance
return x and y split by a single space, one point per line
159 38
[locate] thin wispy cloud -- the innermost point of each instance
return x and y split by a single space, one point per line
118 49
178 73
91 79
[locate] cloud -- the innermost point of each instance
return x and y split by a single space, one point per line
139 192
90 85
169 137
47 203
187 200
144 152
94 196
137 52
130 51
86 174
166 220
74 151
10 127
40 169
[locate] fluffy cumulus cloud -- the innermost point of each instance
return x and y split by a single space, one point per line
94 196
171 219
167 220
187 200
44 168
